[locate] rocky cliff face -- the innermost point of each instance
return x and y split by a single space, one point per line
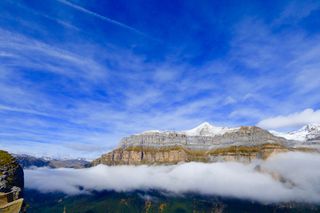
11 175
237 144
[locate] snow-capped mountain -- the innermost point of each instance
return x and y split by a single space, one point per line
307 132
204 129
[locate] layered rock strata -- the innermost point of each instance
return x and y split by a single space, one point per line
241 144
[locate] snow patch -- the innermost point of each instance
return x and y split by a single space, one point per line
204 129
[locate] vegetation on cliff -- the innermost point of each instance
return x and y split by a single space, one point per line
11 174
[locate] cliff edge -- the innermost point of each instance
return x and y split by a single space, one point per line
11 175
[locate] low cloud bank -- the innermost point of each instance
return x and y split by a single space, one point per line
307 116
284 177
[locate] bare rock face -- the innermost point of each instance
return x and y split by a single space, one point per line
242 136
239 144
11 175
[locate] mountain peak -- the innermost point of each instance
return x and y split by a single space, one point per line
206 129
307 132
310 127
204 124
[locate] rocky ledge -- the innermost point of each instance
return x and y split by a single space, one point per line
205 143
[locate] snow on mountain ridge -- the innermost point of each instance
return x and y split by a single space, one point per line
204 129
305 133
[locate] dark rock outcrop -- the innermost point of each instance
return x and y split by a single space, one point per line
11 175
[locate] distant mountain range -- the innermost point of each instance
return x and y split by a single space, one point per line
28 161
208 143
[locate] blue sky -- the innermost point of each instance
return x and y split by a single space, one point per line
76 76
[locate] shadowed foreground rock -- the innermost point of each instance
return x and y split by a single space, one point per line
11 184
8 204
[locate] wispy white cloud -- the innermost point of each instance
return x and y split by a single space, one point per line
137 100
52 18
104 18
15 109
296 119
294 12
43 57
247 113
